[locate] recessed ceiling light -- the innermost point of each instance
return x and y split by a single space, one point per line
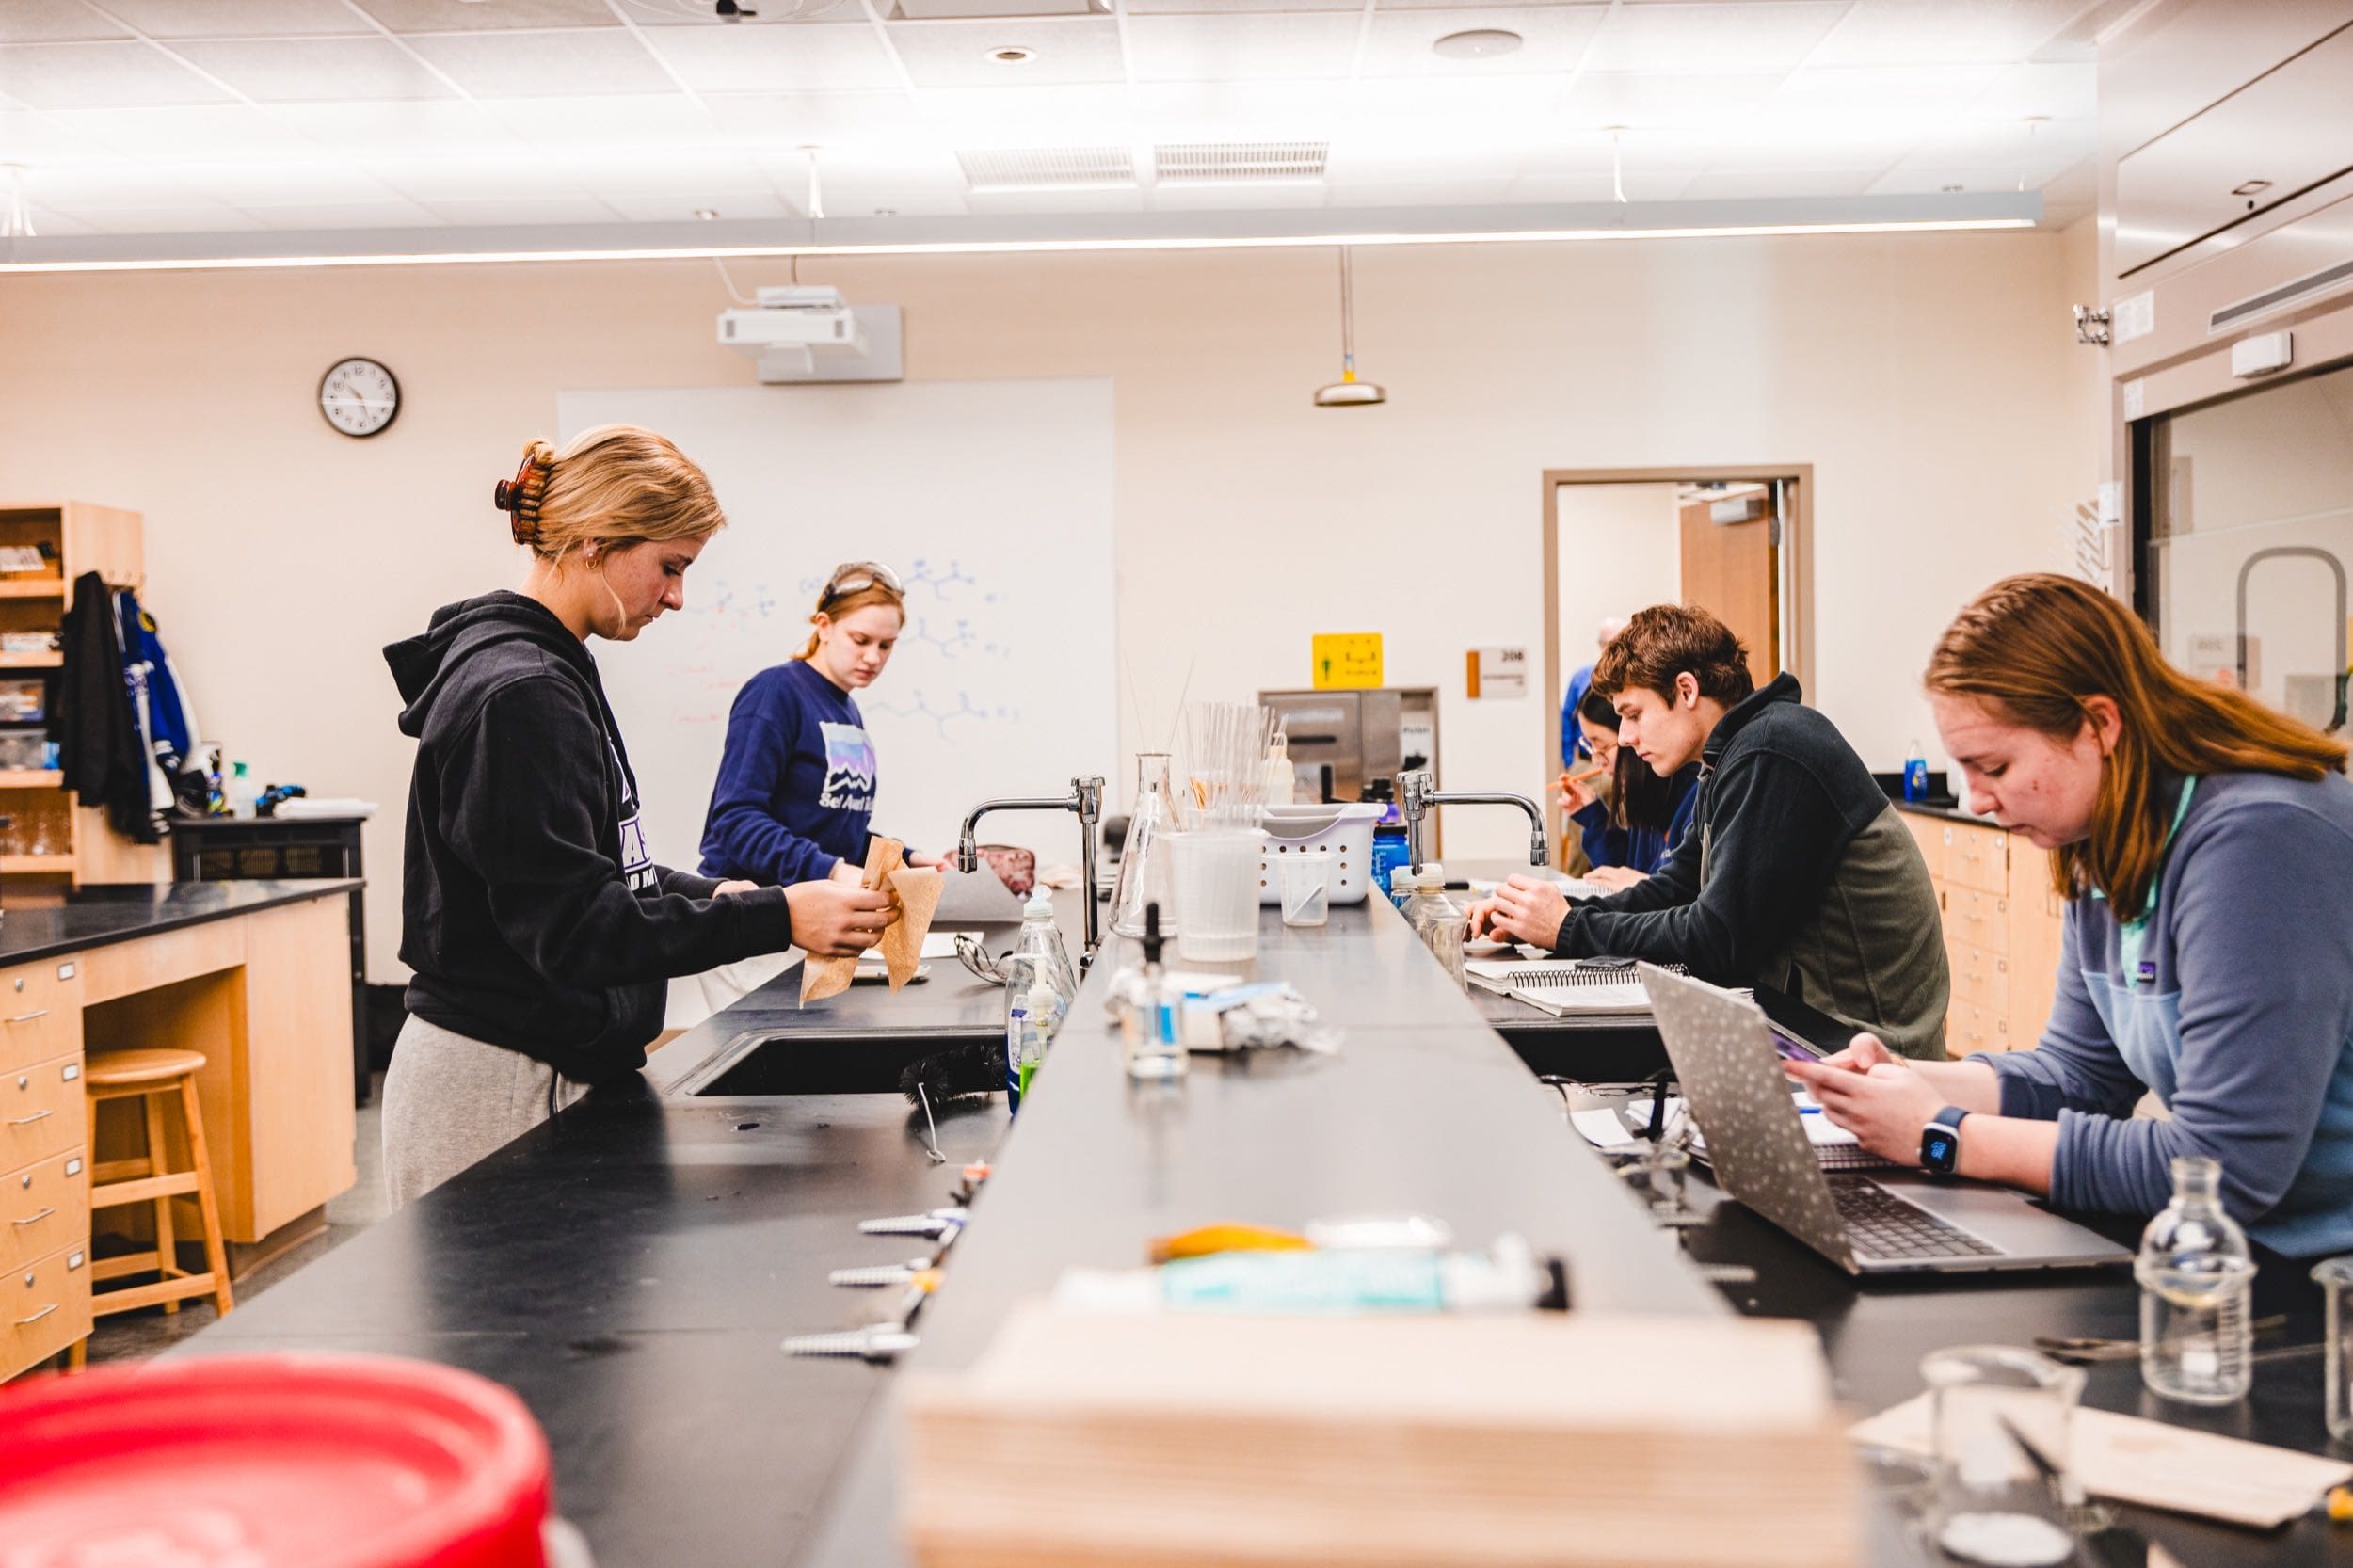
1012 54
1478 44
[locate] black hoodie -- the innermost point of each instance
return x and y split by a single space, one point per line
1797 873
530 911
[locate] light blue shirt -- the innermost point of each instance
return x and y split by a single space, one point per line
2238 1017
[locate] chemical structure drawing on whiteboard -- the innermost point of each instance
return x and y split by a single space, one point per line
941 717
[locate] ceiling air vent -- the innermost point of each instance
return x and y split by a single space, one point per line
1228 163
2272 300
1048 169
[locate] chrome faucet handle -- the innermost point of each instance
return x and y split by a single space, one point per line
1087 792
1413 792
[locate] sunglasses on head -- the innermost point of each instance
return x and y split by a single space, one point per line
855 576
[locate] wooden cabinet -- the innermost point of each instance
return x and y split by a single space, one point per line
44 1176
50 838
2001 931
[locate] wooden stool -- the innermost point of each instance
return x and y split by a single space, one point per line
152 1075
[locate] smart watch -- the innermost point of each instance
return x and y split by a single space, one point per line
1940 1141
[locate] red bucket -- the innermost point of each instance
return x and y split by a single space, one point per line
273 1461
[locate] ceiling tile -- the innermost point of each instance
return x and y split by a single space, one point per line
1551 41
1996 143
683 204
365 128
651 171
1920 176
390 213
49 223
1905 32
1066 49
1641 99
545 65
1853 93
832 56
996 202
471 177
638 120
1239 109
791 119
53 22
1579 189
1756 35
1278 197
195 130
278 183
515 210
1286 48
186 19
31 137
1734 184
178 217
698 13
900 198
1429 193
470 16
2053 91
99 75
318 70
1235 8
1598 9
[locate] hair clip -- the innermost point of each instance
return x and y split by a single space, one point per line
521 497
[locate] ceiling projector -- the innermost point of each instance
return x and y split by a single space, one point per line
809 332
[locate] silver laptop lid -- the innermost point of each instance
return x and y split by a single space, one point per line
1724 1057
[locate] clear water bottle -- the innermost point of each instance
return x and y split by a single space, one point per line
1041 943
1915 774
1438 921
2195 1273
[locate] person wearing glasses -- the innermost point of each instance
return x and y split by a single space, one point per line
794 800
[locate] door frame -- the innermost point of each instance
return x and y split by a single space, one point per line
1795 566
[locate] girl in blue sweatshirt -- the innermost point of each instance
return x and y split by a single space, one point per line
794 800
2204 846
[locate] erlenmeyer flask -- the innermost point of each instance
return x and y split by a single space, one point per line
1144 860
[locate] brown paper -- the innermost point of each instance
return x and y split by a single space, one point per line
917 892
829 977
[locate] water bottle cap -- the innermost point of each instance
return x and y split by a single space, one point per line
1041 905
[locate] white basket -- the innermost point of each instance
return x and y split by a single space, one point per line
1345 829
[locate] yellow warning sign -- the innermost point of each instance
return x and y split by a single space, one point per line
1346 661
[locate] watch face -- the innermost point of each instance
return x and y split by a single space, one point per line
1940 1149
359 397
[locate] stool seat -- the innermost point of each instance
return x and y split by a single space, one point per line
145 1064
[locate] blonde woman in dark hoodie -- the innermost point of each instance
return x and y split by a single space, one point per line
539 930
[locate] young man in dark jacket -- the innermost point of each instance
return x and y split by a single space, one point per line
1798 874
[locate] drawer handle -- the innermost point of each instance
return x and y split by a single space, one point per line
36 1317
28 1017
28 1121
34 1219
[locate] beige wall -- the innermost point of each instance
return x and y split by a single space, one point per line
1928 378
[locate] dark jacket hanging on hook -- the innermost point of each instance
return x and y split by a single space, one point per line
98 745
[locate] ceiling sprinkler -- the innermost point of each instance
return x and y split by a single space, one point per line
731 11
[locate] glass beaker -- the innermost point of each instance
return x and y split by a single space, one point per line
1144 859
1215 877
2001 1420
2335 1278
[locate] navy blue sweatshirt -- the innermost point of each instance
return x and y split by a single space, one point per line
530 911
796 792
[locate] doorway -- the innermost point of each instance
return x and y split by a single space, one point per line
1732 539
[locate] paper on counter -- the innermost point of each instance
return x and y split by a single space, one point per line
2174 1470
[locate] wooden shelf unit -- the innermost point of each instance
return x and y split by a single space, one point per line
2001 931
81 537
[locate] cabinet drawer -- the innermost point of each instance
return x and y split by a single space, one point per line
44 1307
1970 1028
1928 833
1979 978
40 1012
1973 918
42 1207
41 1112
1976 857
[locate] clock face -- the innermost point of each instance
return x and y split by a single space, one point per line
359 397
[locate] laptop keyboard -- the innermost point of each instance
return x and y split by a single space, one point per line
1880 1224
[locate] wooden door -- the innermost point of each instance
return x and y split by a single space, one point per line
1729 569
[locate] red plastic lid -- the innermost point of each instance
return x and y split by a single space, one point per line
271 1462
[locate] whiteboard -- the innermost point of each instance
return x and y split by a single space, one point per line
991 500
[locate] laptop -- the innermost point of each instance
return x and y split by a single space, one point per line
1899 1220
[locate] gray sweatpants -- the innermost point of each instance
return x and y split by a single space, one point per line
450 1100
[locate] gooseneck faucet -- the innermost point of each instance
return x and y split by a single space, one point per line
1416 796
1086 799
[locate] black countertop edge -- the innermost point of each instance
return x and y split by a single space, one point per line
101 915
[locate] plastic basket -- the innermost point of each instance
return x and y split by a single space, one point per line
1345 829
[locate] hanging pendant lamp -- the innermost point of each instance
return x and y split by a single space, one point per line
1348 392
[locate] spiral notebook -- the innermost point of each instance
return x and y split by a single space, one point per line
1567 987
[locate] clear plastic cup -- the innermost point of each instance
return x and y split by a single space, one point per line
2001 1417
1214 876
2335 1278
1307 887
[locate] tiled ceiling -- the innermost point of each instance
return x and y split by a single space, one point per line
126 118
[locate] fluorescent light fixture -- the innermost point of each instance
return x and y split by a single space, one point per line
1395 227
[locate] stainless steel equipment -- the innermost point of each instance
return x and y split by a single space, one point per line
1416 792
1357 735
1086 800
